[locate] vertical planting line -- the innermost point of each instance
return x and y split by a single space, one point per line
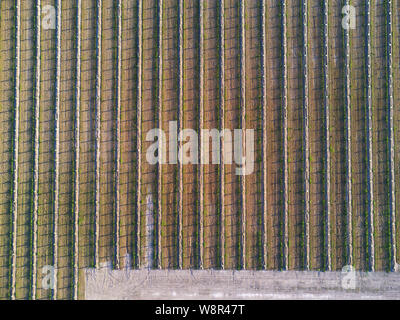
36 152
139 131
14 205
180 127
306 146
285 236
97 133
201 123
77 150
243 124
327 177
349 236
117 138
392 204
264 133
370 194
159 110
222 128
56 146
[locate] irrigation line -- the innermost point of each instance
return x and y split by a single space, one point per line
14 205
370 193
180 127
392 204
139 132
264 133
159 110
222 128
306 146
77 150
285 237
327 177
117 139
36 151
56 147
97 133
201 124
243 124
349 235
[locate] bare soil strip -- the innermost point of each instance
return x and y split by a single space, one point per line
232 121
254 107
170 112
25 170
107 119
212 190
295 136
66 163
191 184
46 192
130 130
274 132
337 134
318 145
7 47
380 139
149 115
87 156
358 138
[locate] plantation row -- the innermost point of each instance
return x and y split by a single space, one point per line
280 234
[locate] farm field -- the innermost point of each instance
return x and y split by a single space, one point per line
84 82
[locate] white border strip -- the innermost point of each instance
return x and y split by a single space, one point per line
36 149
77 149
327 230
306 145
285 240
14 206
